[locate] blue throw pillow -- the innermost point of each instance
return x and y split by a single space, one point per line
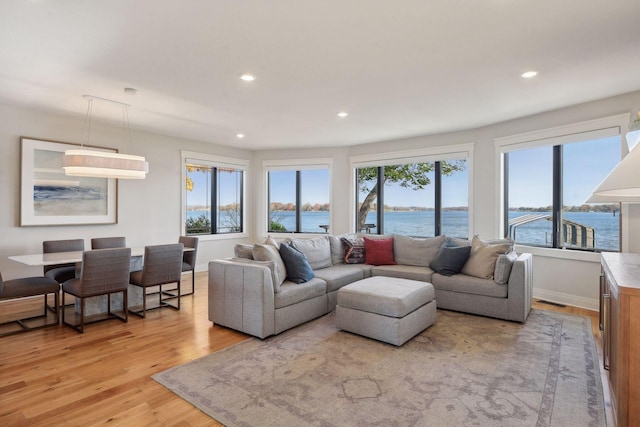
450 260
298 268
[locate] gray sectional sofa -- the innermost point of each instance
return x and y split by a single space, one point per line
252 295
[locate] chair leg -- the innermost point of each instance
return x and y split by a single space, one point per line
193 283
56 298
53 309
164 303
144 304
125 304
63 310
81 330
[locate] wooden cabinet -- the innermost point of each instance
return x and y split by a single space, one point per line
620 321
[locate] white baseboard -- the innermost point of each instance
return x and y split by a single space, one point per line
567 299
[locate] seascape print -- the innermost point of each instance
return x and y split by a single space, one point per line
55 194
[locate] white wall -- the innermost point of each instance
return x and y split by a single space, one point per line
560 276
149 210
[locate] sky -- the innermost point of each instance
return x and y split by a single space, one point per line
585 165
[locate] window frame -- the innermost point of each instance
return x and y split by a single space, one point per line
424 155
554 137
296 165
214 161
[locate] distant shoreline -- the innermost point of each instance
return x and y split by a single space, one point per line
582 208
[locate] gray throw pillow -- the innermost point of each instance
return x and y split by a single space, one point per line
504 264
450 259
269 253
418 251
317 251
298 269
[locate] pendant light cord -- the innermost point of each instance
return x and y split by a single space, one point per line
125 120
87 123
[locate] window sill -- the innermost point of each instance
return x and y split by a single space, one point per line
559 253
213 237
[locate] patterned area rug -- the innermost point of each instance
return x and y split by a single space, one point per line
463 371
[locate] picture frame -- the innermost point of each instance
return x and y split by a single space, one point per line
49 197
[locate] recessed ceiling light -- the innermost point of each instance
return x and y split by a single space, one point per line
239 135
343 114
529 74
247 77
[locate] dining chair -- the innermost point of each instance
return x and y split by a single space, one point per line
104 272
162 266
61 272
30 287
189 259
108 242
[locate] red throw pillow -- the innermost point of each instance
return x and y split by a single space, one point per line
379 251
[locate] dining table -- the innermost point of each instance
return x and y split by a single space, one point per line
94 305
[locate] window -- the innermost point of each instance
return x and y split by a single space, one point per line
546 186
299 200
416 199
213 197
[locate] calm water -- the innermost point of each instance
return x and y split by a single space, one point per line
455 223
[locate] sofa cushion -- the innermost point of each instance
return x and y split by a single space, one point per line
468 285
293 293
317 251
503 267
298 268
378 251
243 251
411 272
354 252
418 251
483 257
270 253
450 260
338 276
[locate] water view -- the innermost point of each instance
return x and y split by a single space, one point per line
455 223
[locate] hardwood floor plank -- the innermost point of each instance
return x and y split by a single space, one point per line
56 376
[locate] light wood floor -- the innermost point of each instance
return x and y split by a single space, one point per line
58 377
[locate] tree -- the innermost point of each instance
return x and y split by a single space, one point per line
412 175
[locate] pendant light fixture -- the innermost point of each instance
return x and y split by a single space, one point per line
104 164
623 182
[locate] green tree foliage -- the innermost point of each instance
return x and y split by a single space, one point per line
198 225
413 175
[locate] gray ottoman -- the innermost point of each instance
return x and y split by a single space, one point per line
387 309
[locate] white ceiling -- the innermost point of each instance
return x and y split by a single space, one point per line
400 68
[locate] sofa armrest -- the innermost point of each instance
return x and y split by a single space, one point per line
241 297
520 288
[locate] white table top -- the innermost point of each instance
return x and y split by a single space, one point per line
35 260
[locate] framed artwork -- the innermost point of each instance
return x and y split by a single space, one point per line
49 197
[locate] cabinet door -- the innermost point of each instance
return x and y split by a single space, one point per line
617 368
